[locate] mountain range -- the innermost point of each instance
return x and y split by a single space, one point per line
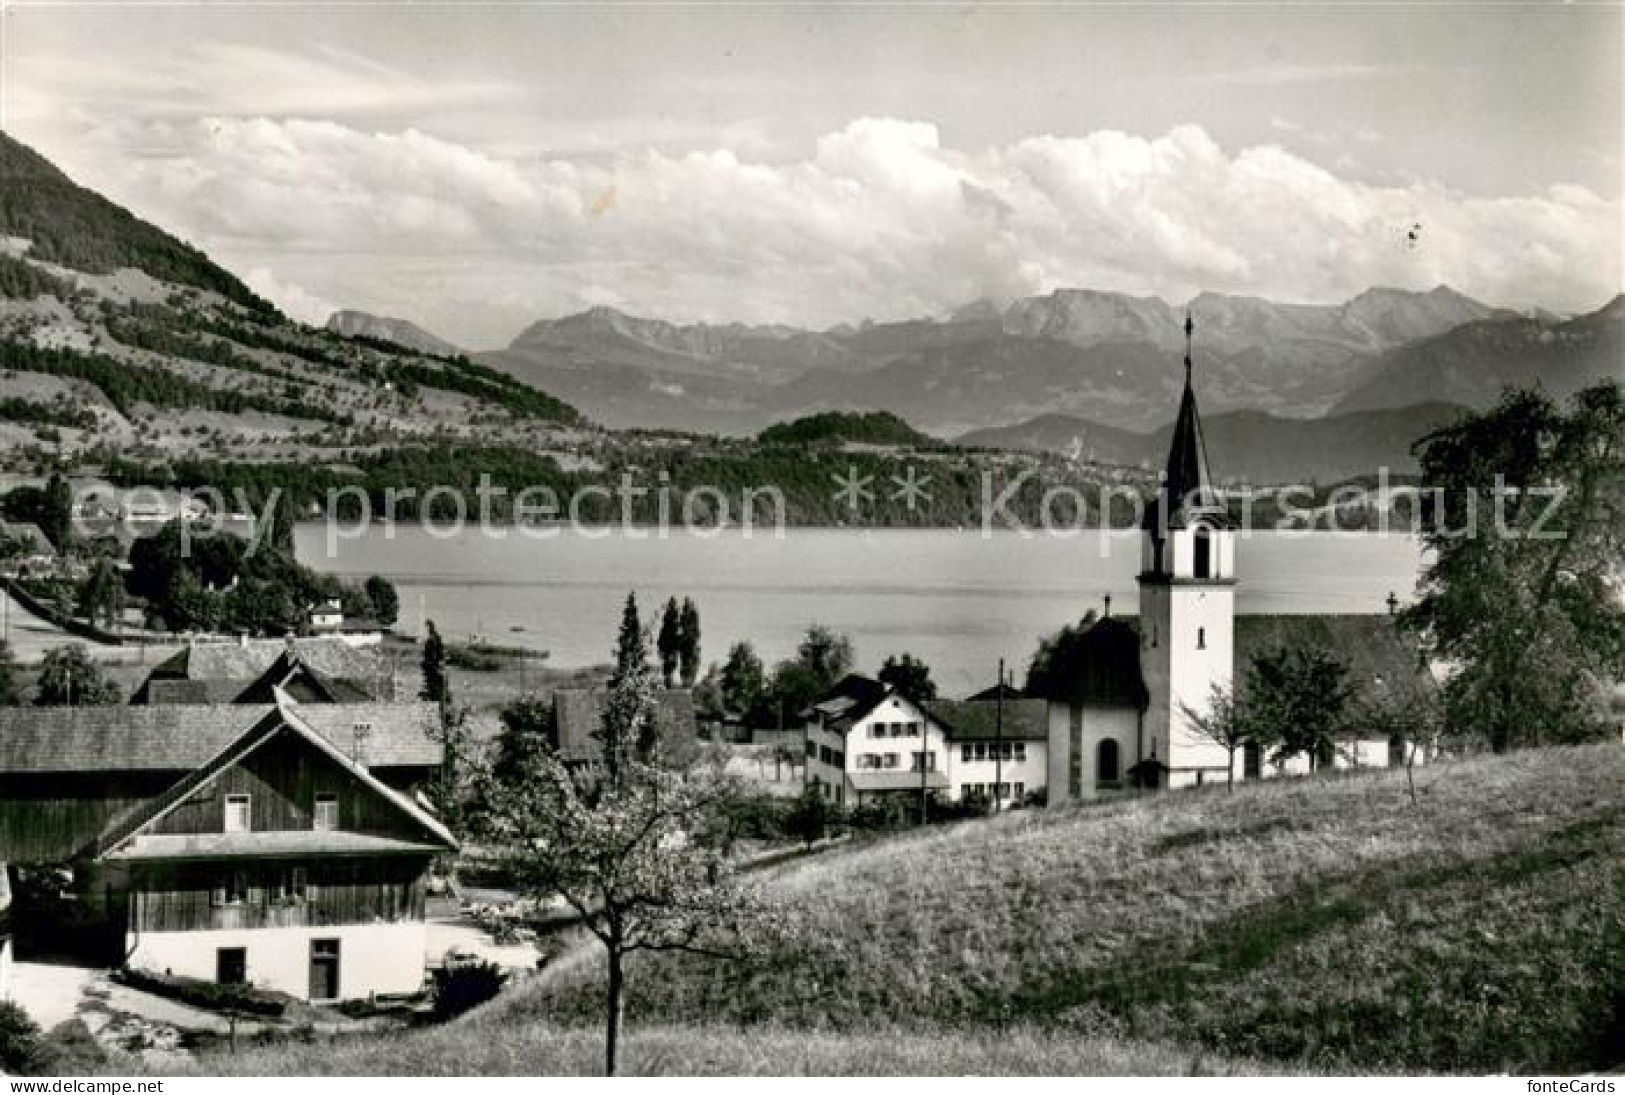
107 316
397 332
1095 355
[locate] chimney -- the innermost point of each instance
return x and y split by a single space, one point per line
1107 614
361 738
242 639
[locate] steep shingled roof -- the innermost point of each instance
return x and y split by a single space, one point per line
978 720
37 740
246 671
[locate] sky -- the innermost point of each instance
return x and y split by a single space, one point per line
477 167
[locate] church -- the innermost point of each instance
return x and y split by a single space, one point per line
1111 714
1117 715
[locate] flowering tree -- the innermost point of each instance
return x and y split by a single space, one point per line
618 841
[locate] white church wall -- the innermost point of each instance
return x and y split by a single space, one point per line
1075 735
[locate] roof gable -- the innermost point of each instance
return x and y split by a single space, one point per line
283 716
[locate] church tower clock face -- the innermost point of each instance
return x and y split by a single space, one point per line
1187 600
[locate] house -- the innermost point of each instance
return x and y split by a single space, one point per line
319 669
274 844
327 615
865 741
578 714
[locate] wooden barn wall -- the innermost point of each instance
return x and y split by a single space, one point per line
47 818
181 896
283 778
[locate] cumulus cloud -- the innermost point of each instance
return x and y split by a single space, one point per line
292 299
880 218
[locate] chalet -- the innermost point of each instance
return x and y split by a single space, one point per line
279 844
578 713
320 669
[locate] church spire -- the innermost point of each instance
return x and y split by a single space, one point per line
1186 483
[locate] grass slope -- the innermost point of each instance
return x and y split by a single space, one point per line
1312 924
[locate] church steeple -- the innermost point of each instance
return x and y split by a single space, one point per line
1187 471
1187 486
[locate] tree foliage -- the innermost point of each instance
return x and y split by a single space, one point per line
1298 701
1525 517
436 685
621 843
68 678
386 603
910 676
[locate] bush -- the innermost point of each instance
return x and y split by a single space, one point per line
22 1049
244 999
465 984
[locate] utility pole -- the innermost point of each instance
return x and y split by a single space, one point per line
998 743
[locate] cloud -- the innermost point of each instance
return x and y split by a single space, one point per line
880 218
293 300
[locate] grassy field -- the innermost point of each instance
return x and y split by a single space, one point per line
1313 924
487 1046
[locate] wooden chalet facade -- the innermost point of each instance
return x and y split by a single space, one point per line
279 844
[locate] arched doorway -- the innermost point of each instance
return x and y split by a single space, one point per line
1108 772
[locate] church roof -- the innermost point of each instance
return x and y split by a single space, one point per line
1381 661
1098 667
1187 485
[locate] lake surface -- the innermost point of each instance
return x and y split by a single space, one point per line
957 599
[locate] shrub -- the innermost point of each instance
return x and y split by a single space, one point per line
22 1049
462 985
244 999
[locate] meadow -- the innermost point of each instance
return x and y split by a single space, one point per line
1325 924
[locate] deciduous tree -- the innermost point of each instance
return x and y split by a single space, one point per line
1525 517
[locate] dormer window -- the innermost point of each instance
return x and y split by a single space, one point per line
238 818
326 814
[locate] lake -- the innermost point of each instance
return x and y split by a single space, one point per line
957 599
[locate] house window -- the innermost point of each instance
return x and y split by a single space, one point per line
1021 750
1106 764
966 790
230 890
1201 638
981 751
812 750
891 760
877 730
1021 789
926 762
327 812
913 729
231 965
965 753
291 885
237 814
